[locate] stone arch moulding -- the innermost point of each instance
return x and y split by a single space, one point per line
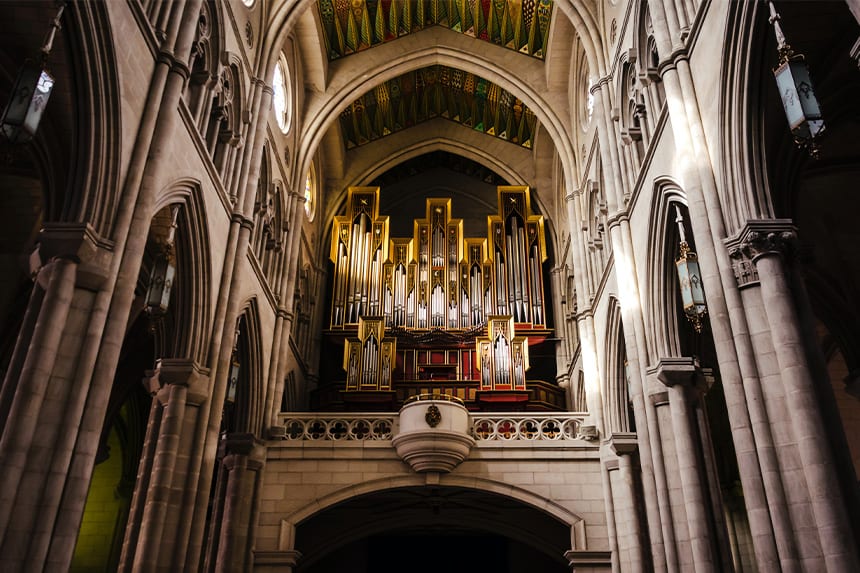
554 510
663 339
97 141
614 392
325 110
251 416
194 267
743 175
380 165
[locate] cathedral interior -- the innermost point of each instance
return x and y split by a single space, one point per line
519 286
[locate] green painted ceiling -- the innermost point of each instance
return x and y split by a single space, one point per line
437 92
351 26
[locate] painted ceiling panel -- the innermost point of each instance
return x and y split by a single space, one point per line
350 26
437 91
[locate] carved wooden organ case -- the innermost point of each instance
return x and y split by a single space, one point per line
453 303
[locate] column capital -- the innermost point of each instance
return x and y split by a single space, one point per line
760 237
180 372
77 242
675 371
623 443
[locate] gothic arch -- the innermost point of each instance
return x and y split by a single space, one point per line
523 495
345 88
616 407
374 165
286 17
248 414
660 314
192 306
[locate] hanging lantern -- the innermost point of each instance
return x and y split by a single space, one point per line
690 280
233 383
30 94
798 96
163 271
160 284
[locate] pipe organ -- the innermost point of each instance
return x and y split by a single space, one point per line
438 279
504 356
439 312
369 358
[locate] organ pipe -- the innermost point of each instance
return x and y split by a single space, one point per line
438 278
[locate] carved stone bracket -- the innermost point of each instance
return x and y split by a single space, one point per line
78 242
677 371
623 443
180 372
759 238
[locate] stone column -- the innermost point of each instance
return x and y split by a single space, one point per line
766 242
679 376
38 438
584 317
730 331
633 320
183 386
144 472
207 428
627 502
609 466
243 458
658 400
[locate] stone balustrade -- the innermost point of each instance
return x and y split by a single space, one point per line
557 426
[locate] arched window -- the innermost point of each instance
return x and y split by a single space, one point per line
282 98
310 192
586 98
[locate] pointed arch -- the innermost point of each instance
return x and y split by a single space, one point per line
192 301
660 311
247 410
616 403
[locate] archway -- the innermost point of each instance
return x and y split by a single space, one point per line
432 528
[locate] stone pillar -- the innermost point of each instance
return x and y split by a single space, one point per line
207 430
765 242
608 467
627 503
183 386
243 458
679 376
144 472
584 317
39 435
658 400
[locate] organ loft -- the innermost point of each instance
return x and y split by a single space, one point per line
439 312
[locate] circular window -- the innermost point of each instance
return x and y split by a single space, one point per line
310 192
281 98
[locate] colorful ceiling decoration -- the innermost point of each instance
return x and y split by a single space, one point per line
351 26
437 91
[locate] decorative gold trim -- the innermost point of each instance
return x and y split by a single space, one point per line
440 397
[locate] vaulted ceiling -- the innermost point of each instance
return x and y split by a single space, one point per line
436 91
350 26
